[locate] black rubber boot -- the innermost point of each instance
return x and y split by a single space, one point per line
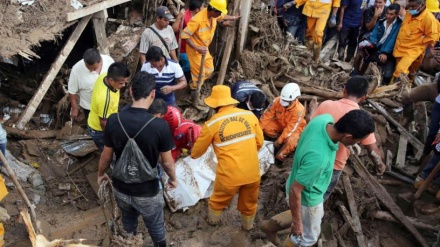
162 243
350 53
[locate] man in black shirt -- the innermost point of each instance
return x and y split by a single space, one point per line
156 140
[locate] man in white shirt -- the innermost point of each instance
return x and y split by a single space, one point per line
169 75
160 34
82 80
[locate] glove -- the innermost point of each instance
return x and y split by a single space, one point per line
365 43
332 21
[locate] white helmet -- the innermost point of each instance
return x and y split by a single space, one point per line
290 91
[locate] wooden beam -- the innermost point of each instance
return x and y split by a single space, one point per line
245 12
51 74
401 152
99 27
230 37
385 198
354 212
71 16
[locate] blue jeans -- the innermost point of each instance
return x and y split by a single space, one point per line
98 137
151 210
3 150
297 31
184 62
429 167
335 178
434 126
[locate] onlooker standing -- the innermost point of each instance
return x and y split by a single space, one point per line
371 16
311 174
293 19
419 29
83 77
144 198
236 138
350 16
105 100
194 7
250 97
168 73
160 34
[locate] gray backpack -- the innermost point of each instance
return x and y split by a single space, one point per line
132 167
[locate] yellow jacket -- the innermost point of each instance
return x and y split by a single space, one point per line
318 8
415 34
236 138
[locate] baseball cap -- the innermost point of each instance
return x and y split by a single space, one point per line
164 12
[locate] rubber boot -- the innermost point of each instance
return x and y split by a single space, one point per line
341 51
350 53
247 222
288 242
162 243
309 44
214 216
275 224
316 52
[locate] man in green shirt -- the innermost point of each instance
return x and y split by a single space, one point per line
311 174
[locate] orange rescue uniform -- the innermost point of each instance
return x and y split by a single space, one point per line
236 138
283 123
3 193
415 34
317 12
200 30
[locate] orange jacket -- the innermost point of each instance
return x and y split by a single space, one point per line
236 138
318 8
290 118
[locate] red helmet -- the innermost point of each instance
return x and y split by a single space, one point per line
186 134
193 134
173 117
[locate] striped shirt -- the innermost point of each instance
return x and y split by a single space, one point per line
170 72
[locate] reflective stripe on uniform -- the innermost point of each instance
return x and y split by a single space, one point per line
222 144
228 116
294 127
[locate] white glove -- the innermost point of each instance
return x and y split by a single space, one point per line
355 149
4 216
332 21
364 43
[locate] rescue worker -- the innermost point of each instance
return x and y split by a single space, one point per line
198 35
317 12
236 138
350 16
419 29
3 213
284 120
173 117
250 97
184 137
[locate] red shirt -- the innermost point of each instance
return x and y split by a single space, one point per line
186 19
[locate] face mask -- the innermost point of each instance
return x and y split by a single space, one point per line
413 11
249 106
284 103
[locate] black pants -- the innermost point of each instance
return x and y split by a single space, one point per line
348 36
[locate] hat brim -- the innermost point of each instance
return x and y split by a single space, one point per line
170 17
214 103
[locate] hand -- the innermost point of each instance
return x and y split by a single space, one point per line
276 145
296 229
280 157
437 139
181 14
102 178
166 89
202 50
227 23
380 168
288 5
383 58
74 113
171 184
4 216
364 43
378 11
332 21
339 26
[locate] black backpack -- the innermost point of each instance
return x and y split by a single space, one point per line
132 166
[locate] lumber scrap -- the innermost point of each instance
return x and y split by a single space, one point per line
385 198
354 212
230 37
245 12
346 215
51 74
77 14
401 152
412 139
381 215
99 27
31 134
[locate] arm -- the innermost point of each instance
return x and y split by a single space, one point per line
374 37
173 55
202 143
142 58
295 208
169 168
431 32
178 22
370 24
268 115
296 117
259 136
104 163
103 122
73 89
74 105
341 17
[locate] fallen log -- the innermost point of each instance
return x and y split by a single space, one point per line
31 134
381 215
385 198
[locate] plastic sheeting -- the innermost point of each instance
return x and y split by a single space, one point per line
196 177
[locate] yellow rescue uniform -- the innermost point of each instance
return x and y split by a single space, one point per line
3 193
200 30
415 34
317 12
236 138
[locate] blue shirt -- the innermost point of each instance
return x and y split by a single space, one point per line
352 13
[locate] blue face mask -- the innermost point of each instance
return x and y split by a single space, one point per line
413 12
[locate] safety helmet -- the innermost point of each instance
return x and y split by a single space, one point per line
432 6
290 91
173 117
219 5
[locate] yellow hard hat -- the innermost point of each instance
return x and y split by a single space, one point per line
432 6
219 5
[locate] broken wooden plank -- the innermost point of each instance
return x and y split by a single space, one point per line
230 37
31 134
387 242
381 215
93 181
354 213
77 14
245 11
99 27
51 74
385 198
401 152
346 215
412 139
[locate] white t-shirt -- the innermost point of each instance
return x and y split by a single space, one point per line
81 80
149 38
